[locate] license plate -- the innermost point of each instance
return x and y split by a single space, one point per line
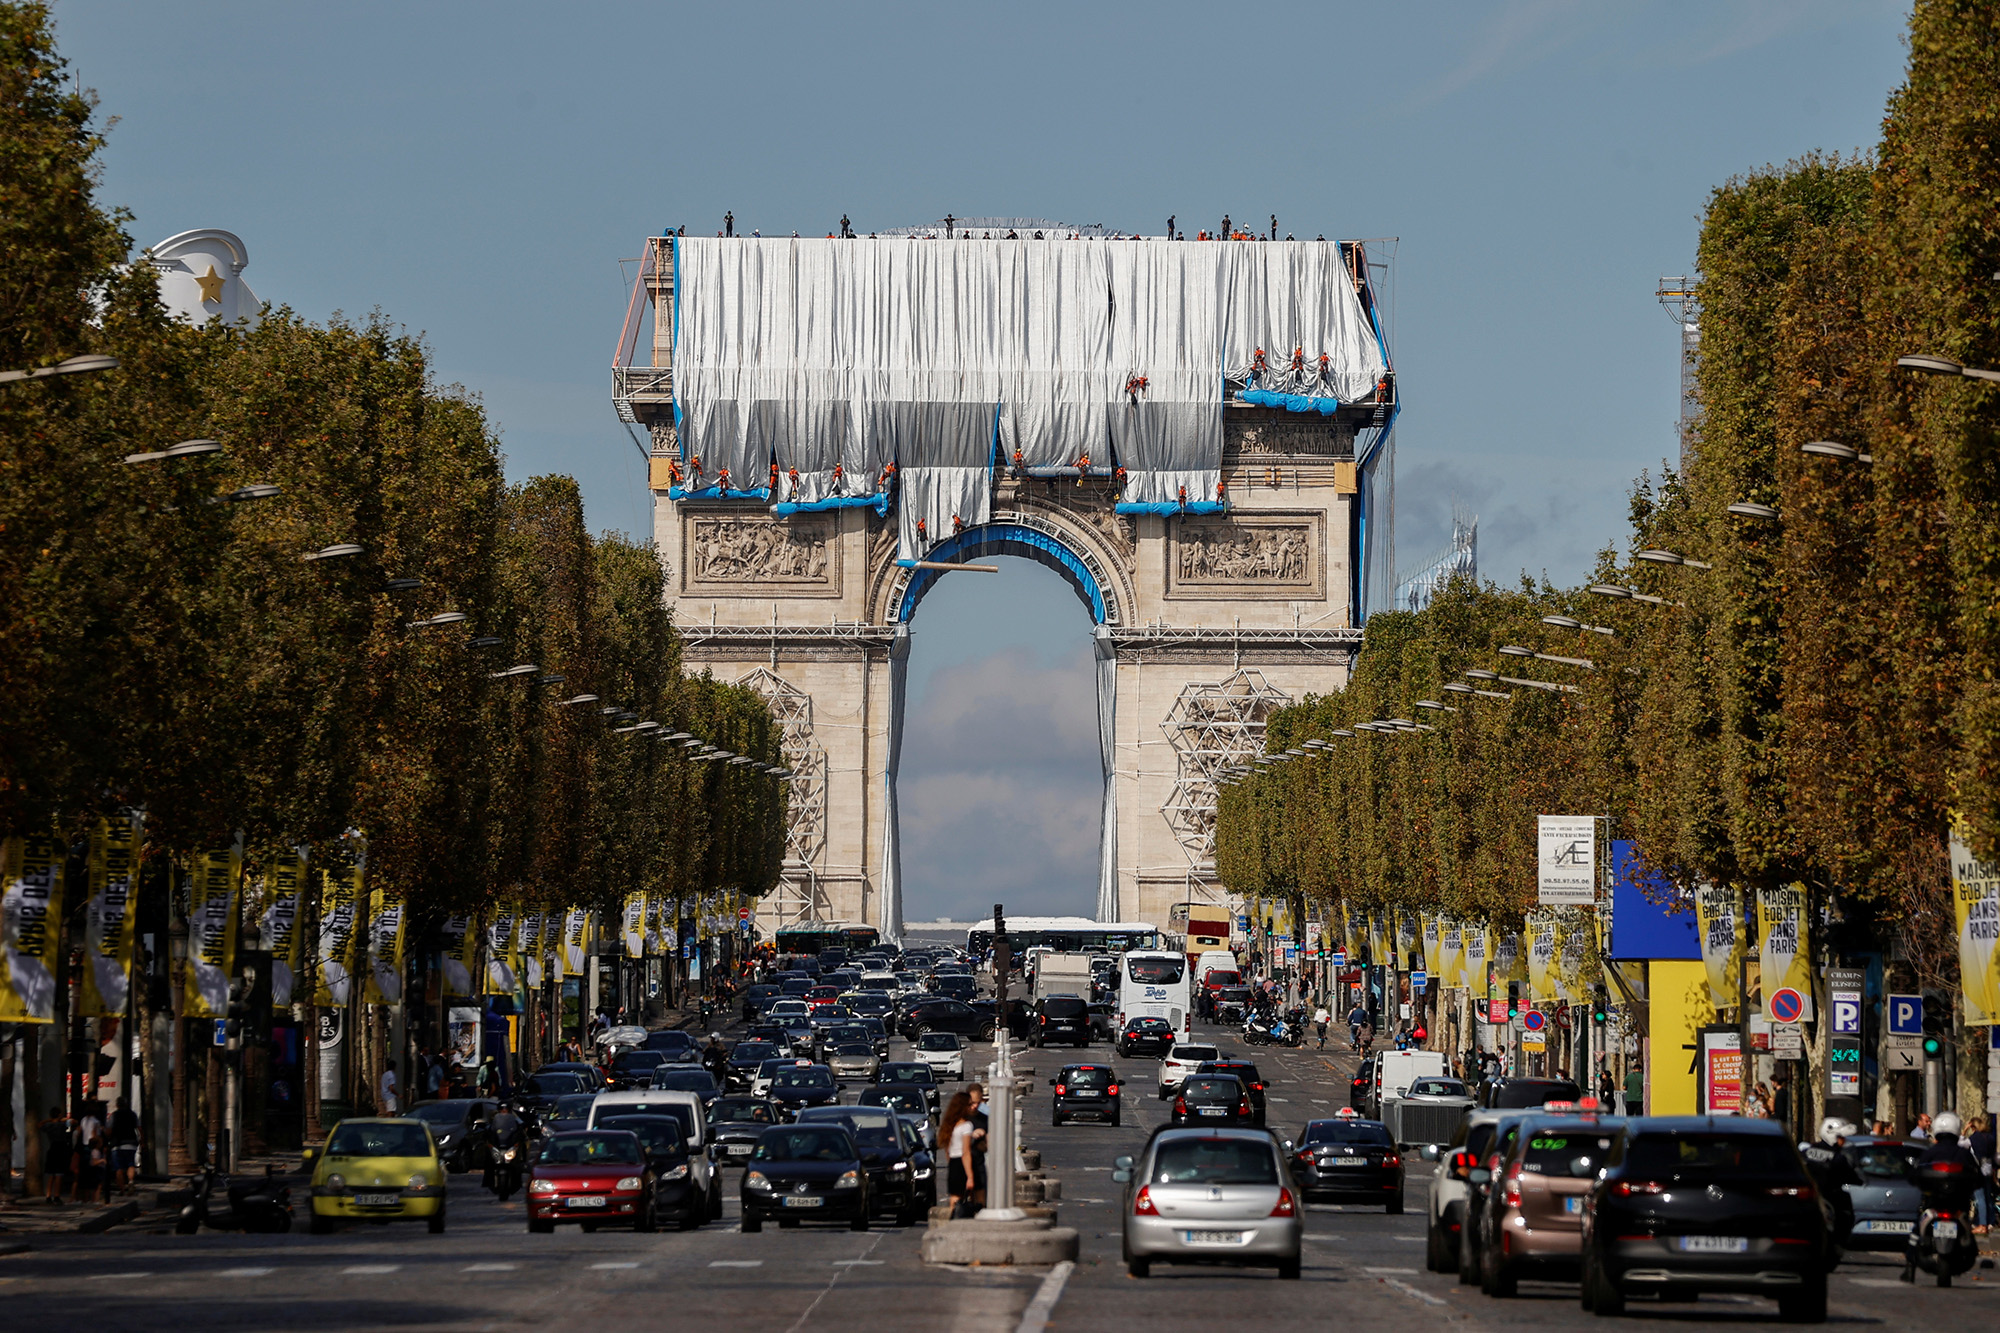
1894 1226
1212 1237
738 1149
1945 1230
1214 1110
803 1201
1086 1092
588 1201
1573 1204
378 1200
1350 1161
1715 1245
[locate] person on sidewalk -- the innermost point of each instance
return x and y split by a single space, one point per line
385 1091
124 1137
58 1154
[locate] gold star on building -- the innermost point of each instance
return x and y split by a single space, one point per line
211 286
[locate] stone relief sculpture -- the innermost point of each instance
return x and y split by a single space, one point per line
1236 554
734 550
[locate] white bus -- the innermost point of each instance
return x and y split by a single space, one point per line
1155 984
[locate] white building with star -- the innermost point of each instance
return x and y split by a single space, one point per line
201 277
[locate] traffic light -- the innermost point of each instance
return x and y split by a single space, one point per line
238 1010
1600 1000
1934 1025
1513 1000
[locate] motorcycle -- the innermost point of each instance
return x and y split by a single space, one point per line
1261 1031
508 1162
1943 1244
262 1205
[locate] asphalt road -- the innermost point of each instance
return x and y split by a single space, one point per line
486 1272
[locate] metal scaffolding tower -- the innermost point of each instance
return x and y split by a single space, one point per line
1682 301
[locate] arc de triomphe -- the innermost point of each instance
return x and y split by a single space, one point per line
1203 623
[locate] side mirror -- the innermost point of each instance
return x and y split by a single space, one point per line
1289 1145
1052 1083
1122 1163
1429 1152
1122 1175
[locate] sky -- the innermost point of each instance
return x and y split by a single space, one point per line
477 172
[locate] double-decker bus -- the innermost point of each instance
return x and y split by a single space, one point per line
1064 934
1155 983
808 940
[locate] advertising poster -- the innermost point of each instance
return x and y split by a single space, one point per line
1715 912
113 873
1975 895
31 885
385 948
459 948
283 882
212 932
1783 942
339 933
1566 864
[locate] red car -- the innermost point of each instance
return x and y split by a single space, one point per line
591 1177
821 996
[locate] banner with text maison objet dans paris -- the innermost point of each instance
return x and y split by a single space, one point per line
1975 894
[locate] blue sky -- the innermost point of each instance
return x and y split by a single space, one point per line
477 171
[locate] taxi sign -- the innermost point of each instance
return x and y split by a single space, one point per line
1347 1113
1558 1106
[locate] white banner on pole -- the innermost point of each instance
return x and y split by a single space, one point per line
1567 869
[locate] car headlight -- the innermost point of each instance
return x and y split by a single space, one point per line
677 1173
924 1173
336 1182
542 1187
419 1182
849 1180
629 1183
756 1180
900 1166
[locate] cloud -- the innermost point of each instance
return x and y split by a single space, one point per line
1521 34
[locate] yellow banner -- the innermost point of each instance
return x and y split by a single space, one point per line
575 940
1380 946
633 925
284 881
1409 937
502 968
1975 896
385 948
339 933
1716 921
1432 926
461 954
108 917
531 931
1542 954
1451 950
31 894
1784 942
211 955
1478 952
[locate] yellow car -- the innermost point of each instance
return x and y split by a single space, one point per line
378 1170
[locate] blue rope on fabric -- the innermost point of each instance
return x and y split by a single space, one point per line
879 502
718 493
1169 508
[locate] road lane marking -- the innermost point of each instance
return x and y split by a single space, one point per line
1409 1290
858 1263
1036 1317
1411 1271
1876 1281
1414 1240
735 1263
113 1277
360 1269
244 1272
489 1268
1324 1235
621 1264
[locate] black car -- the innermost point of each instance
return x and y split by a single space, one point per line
1229 1004
744 1057
902 1179
869 1004
806 1171
679 1047
1253 1082
843 1033
539 1090
878 1035
754 1000
1516 1094
1349 1158
1687 1204
634 1069
672 1078
675 1193
459 1126
1363 1083
1085 1092
567 1112
801 1084
1103 1021
906 1099
771 1032
1145 1036
1063 1018
912 1072
736 1123
1212 1099
946 1015
590 1072
958 985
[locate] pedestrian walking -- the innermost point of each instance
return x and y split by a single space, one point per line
1320 1021
93 1157
58 1152
386 1090
124 1137
956 1131
1981 1142
486 1077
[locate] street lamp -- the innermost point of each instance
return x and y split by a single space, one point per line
1745 509
1655 555
258 491
402 585
1845 453
1938 365
185 449
76 365
1435 706
1613 590
1569 622
1516 650
486 641
338 551
441 618
524 669
579 699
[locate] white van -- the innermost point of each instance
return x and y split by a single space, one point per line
1395 1071
1212 961
685 1107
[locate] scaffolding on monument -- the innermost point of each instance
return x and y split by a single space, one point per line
797 898
1212 728
1460 558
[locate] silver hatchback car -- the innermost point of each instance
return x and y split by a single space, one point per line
1211 1196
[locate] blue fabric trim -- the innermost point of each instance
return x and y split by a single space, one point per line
878 502
1292 402
717 493
1167 508
673 341
1006 539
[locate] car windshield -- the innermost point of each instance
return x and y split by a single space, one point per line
1089 1076
550 1085
1551 1151
795 1077
937 1041
1215 1162
848 1032
1156 971
1212 1085
385 1139
855 1050
901 1099
804 1143
575 1106
1518 1093
588 1149
1703 1156
752 1052
1437 1087
1194 1053
1063 1006
633 1062
908 1073
443 1113
1219 977
741 1113
684 1080
1149 1025
1883 1161
670 1039
1349 1131
660 1134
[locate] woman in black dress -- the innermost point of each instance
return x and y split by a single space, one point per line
58 1150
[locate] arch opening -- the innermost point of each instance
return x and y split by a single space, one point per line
1008 538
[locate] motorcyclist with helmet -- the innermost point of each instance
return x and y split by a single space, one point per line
1947 1172
716 1060
1833 1173
505 1158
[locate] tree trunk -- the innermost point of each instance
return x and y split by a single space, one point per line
7 1111
179 1161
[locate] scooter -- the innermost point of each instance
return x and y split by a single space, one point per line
256 1204
1943 1244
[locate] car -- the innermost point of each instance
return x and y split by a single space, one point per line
1144 1036
1453 1186
734 1124
771 1032
843 1032
1210 1196
591 1177
944 1052
590 1072
1244 1071
914 1073
1229 1004
902 1178
1510 1094
679 1047
676 1191
634 1069
803 1084
760 1082
1349 1159
957 985
854 1061
1692 1204
1182 1059
754 1000
744 1058
1085 1092
908 1101
784 1012
867 1004
1887 1202
685 1107
945 1015
1060 1017
820 996
569 1111
539 1090
459 1125
801 1171
1211 1098
669 1078
796 987
1532 1224
378 1169
878 1035
1103 1021
1362 1085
